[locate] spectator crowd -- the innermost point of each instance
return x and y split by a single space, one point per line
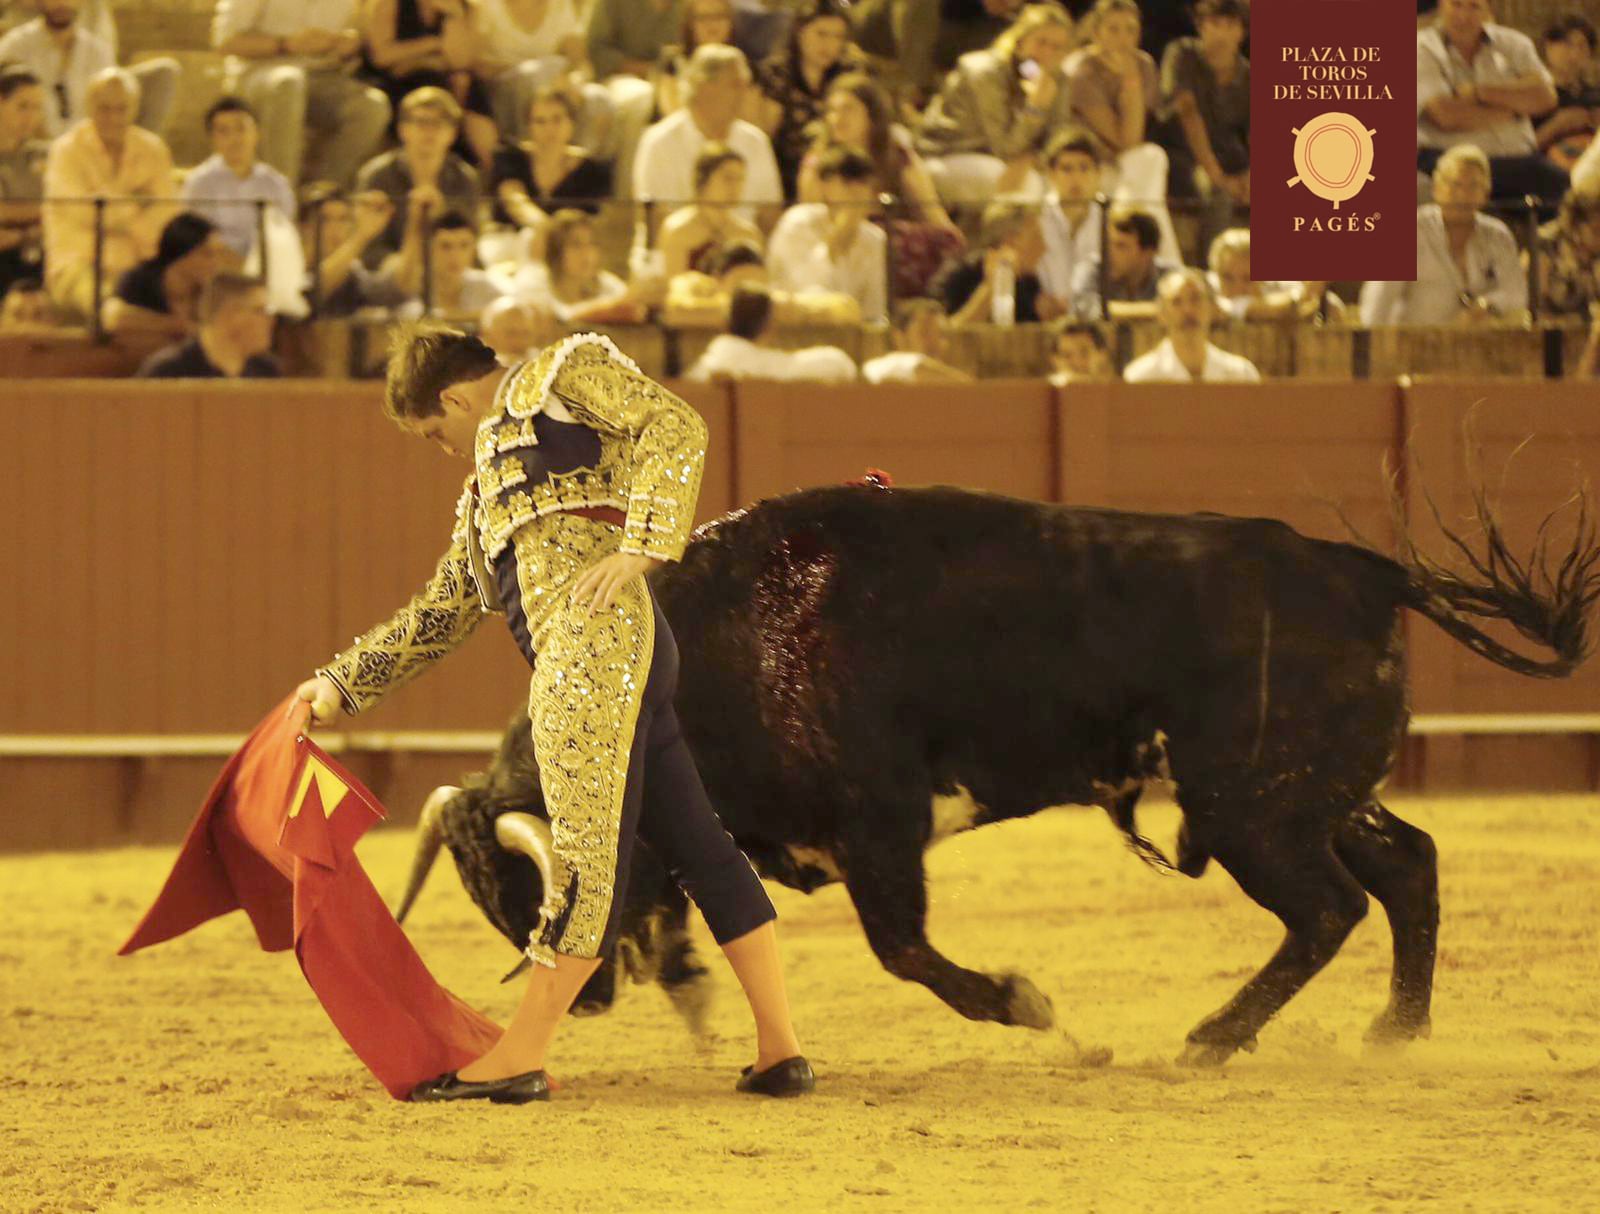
749 165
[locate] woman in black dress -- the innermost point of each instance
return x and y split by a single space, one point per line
530 181
795 83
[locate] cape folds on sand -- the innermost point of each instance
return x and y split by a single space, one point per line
276 838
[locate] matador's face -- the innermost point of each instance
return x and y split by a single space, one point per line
455 430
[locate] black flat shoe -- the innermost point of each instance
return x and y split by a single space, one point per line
514 1089
791 1077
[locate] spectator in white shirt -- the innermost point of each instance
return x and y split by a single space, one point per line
1468 265
226 187
573 284
1070 219
919 347
446 283
1185 355
832 245
66 50
293 60
104 156
716 81
1481 84
742 352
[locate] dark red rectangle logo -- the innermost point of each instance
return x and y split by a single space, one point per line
1333 140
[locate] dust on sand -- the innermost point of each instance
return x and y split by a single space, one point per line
203 1075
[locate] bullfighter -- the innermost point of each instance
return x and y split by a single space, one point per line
585 477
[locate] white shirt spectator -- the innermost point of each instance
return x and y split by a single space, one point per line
30 46
280 18
1505 55
478 291
508 41
663 165
899 367
225 198
798 258
531 284
740 358
1163 366
1494 272
1065 248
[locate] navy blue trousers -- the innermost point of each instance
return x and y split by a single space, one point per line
666 805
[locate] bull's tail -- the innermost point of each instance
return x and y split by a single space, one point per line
1549 599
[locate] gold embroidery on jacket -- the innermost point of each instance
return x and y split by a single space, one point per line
498 475
584 700
652 449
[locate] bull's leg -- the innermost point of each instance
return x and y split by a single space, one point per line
1397 864
683 977
600 992
1288 865
888 885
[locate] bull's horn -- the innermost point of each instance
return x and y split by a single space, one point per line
430 837
531 837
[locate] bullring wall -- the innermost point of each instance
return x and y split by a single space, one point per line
182 556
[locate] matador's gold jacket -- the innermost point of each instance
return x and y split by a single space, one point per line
652 455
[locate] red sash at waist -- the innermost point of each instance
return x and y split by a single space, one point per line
605 514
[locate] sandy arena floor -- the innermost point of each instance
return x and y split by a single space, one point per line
203 1075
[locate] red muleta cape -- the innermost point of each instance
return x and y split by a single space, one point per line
276 837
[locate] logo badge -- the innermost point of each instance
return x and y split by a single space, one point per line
1333 157
1333 96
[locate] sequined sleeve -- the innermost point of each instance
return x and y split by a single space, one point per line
437 619
667 436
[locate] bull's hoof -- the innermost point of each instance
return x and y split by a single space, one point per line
692 997
1205 1054
590 1007
1026 1005
1390 1033
1209 1054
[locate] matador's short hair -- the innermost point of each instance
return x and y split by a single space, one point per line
425 359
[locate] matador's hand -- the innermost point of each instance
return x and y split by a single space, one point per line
323 697
600 584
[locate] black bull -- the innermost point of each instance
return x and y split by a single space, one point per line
867 670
